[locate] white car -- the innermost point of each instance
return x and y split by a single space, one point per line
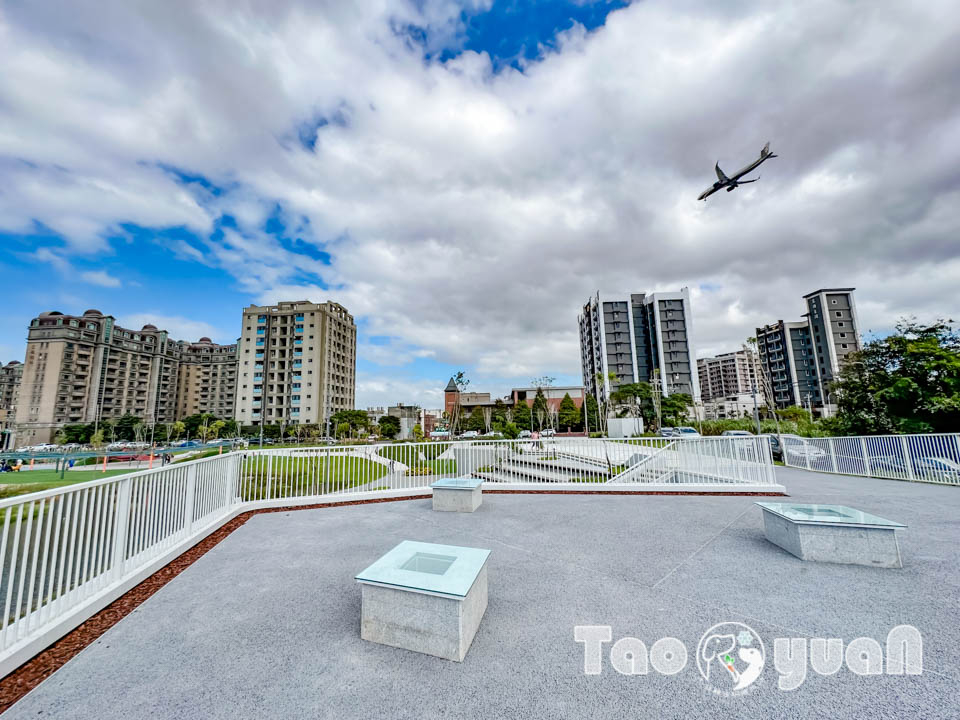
470 434
685 432
548 432
525 434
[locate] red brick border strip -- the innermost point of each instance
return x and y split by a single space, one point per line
42 665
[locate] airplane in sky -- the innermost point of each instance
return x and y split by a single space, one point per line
731 183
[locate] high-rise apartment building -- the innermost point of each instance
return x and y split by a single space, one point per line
85 368
296 363
207 380
835 331
10 375
727 374
787 358
802 359
638 337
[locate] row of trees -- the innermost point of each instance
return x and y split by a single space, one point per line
132 428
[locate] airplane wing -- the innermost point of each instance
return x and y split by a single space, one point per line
720 176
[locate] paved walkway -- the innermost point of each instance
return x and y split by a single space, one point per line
266 625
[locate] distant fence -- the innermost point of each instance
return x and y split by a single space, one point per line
70 551
923 458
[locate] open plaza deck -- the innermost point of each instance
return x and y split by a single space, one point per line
266 624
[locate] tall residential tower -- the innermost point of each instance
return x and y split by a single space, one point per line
297 363
638 337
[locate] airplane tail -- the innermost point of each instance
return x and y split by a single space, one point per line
765 153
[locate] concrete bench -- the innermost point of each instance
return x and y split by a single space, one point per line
832 533
457 494
425 597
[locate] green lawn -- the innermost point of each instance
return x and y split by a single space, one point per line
33 477
290 477
434 467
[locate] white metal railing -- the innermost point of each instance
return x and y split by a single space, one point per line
64 550
924 458
69 551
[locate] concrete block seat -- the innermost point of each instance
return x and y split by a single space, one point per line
832 533
457 494
425 597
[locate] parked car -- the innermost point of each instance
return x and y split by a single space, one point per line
888 465
548 432
685 432
470 434
800 449
938 469
736 433
775 447
524 434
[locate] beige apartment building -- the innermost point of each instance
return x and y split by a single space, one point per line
85 368
296 363
728 374
10 375
207 380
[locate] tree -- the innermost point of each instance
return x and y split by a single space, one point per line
521 416
356 419
475 421
343 429
214 429
461 382
592 414
389 426
177 429
637 400
417 433
125 427
674 408
510 431
96 440
908 382
569 414
77 433
539 408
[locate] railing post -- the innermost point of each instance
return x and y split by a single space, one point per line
906 457
833 454
191 494
866 456
806 454
269 494
123 525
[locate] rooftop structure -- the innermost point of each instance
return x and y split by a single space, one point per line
266 624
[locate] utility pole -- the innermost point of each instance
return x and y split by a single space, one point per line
756 412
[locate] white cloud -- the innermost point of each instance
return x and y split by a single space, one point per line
468 214
383 391
178 328
101 278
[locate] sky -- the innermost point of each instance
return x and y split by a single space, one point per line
464 175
